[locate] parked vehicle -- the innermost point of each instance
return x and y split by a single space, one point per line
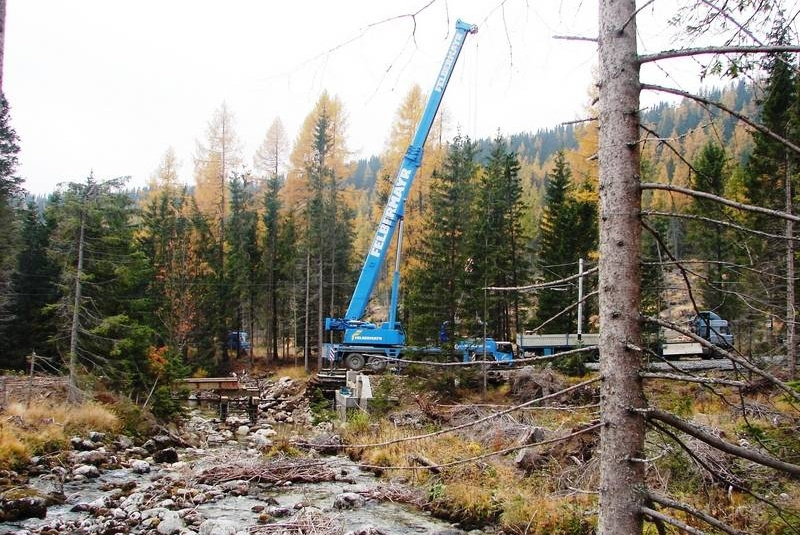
707 325
238 341
476 348
539 345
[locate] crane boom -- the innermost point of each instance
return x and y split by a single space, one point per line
393 212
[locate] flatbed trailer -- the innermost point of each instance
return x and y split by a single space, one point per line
542 345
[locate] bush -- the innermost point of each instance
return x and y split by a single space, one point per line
164 405
135 421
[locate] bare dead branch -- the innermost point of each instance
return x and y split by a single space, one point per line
672 504
717 222
760 127
572 306
687 52
460 364
655 515
711 440
721 200
575 38
724 480
692 379
542 285
495 453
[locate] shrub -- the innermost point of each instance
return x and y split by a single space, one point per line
464 502
14 453
134 420
163 404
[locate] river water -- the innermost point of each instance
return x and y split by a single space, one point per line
244 510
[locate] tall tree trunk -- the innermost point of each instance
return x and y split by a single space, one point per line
622 435
791 316
74 394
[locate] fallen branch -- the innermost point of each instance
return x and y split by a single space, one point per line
672 504
655 515
306 523
692 379
275 472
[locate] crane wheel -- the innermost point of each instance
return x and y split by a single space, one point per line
377 364
355 361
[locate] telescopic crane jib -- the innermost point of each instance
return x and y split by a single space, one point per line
366 343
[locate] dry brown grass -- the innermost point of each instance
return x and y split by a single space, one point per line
45 428
476 492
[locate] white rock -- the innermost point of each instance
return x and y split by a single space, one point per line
86 470
132 502
170 523
242 430
218 526
140 467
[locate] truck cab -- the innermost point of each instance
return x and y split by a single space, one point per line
709 326
498 351
238 341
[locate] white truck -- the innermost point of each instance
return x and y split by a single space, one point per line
708 326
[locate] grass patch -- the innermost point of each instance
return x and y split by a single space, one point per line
39 429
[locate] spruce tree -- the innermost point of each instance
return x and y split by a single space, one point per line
10 192
436 286
34 286
498 227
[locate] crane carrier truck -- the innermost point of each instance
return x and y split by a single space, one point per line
366 343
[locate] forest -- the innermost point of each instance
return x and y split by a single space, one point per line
137 285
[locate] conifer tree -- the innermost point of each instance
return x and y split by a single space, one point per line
712 241
498 227
34 286
103 307
436 286
568 232
243 253
10 191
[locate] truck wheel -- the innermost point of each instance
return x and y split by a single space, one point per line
355 361
377 364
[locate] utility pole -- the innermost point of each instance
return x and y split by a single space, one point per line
30 378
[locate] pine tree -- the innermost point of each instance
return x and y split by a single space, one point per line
103 307
242 252
555 257
498 226
714 242
10 191
436 287
34 286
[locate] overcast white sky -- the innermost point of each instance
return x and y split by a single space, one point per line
108 85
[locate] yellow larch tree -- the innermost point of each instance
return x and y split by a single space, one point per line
215 159
296 190
404 127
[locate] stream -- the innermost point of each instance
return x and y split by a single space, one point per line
126 499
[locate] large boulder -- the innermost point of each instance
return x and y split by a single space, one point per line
19 504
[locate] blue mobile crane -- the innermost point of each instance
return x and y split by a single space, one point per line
365 343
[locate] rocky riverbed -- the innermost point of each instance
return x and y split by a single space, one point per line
212 477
